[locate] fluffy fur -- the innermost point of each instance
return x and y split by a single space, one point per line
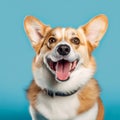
85 104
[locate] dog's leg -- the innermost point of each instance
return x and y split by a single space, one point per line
33 113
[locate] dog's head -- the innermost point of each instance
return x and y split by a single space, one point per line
63 60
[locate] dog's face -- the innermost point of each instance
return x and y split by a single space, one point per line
63 60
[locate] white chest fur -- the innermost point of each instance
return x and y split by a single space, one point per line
57 108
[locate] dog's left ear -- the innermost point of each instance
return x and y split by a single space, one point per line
95 29
36 31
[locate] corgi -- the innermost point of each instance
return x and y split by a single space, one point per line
63 87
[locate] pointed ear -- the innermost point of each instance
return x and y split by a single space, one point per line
36 31
95 29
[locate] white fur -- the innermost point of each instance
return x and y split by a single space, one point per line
78 78
63 34
32 113
62 109
57 108
91 114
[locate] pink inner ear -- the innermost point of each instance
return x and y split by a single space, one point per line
92 35
94 30
34 32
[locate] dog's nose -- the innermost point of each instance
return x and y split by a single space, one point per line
63 49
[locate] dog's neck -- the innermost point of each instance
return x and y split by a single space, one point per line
58 93
85 95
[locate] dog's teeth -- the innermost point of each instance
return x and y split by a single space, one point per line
74 64
70 65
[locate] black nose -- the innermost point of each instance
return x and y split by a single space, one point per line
63 49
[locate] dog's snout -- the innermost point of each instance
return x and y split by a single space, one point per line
63 49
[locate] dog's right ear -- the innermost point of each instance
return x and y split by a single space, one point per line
36 31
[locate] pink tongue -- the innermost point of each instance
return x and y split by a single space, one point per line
63 70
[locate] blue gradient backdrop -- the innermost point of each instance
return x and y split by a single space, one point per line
16 53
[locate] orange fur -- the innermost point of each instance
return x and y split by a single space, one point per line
88 96
100 115
32 93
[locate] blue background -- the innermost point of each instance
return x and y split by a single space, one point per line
16 52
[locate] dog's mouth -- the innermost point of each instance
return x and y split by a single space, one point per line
62 68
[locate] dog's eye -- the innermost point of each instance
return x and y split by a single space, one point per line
52 40
75 40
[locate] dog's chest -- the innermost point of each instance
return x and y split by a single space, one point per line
57 108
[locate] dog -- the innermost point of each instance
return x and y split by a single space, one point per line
63 87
